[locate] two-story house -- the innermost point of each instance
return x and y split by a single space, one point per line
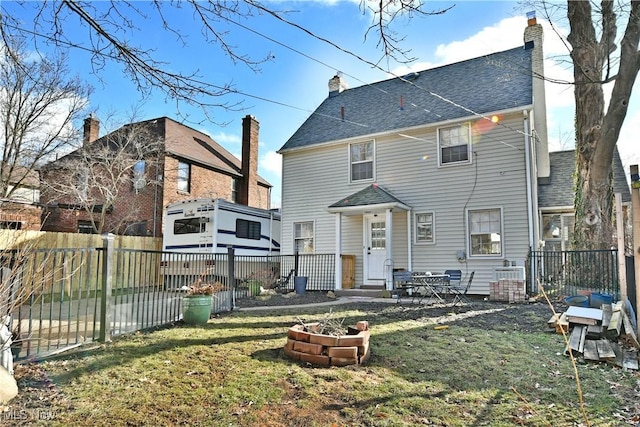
434 170
158 162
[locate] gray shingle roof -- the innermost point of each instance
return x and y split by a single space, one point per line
560 189
495 82
371 195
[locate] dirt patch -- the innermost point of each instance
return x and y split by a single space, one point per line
285 299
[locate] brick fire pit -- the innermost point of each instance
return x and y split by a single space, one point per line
328 350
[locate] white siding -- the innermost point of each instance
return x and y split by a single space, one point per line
408 168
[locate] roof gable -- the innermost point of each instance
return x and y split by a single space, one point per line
186 143
559 192
489 83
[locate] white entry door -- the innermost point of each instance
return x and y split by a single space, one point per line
375 251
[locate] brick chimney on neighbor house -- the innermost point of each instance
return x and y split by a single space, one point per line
248 194
91 130
337 84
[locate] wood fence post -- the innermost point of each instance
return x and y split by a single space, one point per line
622 272
107 286
635 203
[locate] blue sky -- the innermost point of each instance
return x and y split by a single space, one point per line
292 84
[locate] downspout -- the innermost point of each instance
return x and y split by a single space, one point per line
338 259
527 159
409 242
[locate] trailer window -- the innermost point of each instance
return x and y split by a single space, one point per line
247 229
188 226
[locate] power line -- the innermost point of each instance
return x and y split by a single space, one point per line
264 99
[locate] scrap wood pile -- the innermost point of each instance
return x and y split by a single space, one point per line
603 334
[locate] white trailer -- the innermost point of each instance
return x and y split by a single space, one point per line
198 234
214 225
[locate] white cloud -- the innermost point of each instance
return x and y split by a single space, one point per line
627 144
224 138
271 162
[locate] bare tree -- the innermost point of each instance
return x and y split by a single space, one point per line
597 131
110 26
38 103
105 175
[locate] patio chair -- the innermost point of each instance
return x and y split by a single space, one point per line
455 277
460 293
403 285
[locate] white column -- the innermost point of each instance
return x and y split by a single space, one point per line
388 236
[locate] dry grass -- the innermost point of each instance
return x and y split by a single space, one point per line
495 365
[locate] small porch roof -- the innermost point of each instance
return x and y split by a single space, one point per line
369 199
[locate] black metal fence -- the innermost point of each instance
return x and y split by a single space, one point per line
60 298
564 273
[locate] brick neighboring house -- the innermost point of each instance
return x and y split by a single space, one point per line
20 210
184 164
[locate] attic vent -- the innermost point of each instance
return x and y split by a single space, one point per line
411 76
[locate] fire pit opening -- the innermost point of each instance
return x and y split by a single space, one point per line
308 343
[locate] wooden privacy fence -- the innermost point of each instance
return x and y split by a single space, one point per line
13 239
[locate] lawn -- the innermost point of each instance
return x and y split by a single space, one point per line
494 365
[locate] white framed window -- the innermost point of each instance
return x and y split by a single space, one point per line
454 144
424 227
303 237
557 231
485 232
235 189
184 176
139 175
361 160
82 179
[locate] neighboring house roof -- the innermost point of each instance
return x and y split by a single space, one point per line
190 144
186 143
560 190
30 177
490 83
368 196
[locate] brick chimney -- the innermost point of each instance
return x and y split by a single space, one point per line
91 130
533 39
248 194
337 84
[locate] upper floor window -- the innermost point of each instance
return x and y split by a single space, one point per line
139 171
485 231
184 176
361 161
82 179
424 228
235 186
303 237
246 229
454 144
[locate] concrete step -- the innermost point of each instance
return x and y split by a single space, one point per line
369 292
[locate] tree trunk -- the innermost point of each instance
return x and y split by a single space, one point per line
597 133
